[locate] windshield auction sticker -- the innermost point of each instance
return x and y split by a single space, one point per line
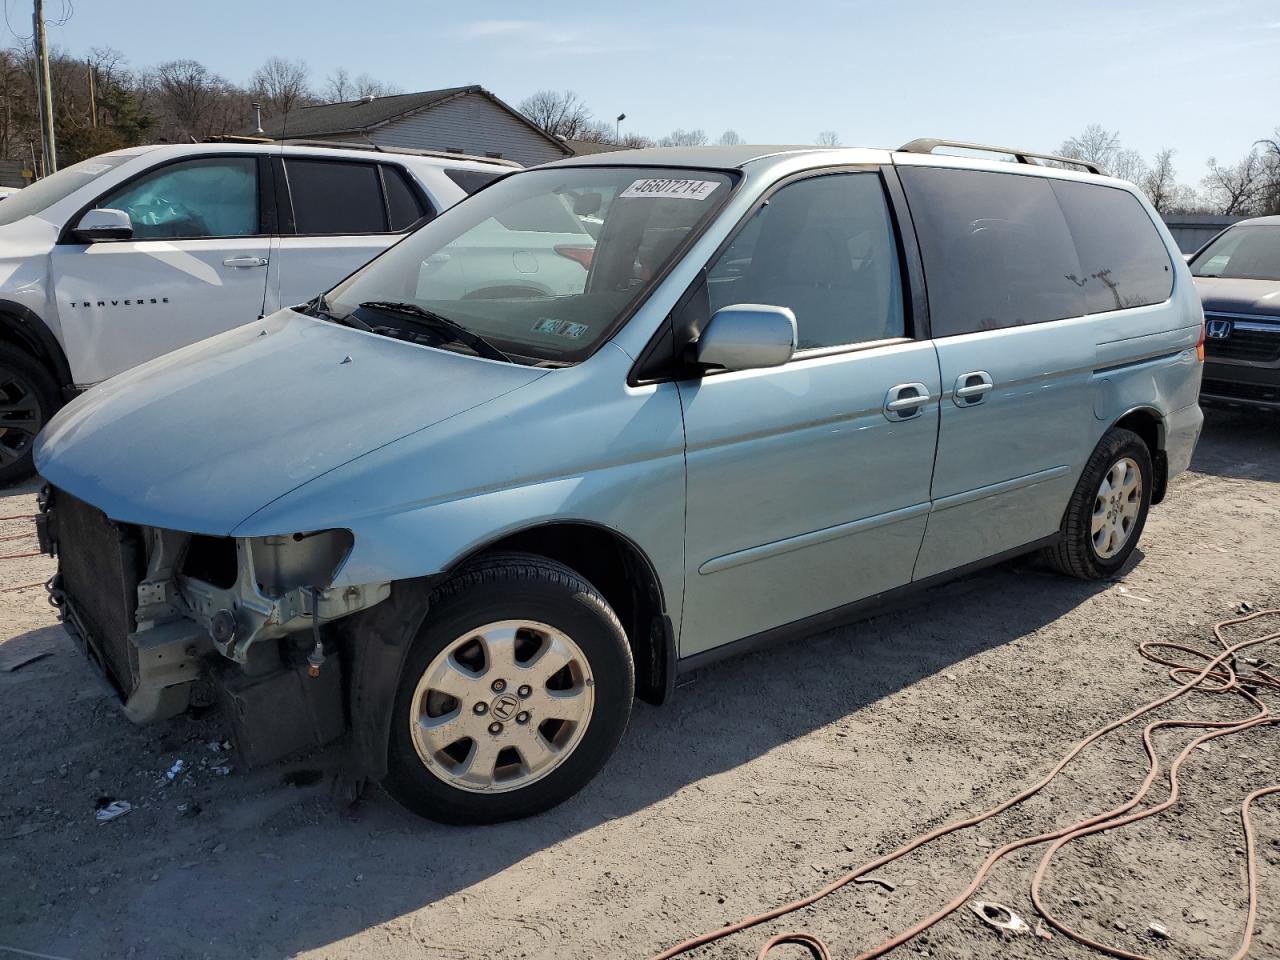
671 189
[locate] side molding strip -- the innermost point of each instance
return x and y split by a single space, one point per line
800 541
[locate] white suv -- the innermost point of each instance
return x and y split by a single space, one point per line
122 258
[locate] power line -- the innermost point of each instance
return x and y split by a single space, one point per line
20 39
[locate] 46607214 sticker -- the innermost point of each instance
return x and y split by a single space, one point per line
671 189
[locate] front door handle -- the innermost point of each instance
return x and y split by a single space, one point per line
245 262
905 401
971 388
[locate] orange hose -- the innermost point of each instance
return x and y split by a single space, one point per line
1218 669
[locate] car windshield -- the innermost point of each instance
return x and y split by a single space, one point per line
542 265
45 193
1245 253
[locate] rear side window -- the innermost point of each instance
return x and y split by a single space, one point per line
332 197
997 251
1123 261
471 180
403 203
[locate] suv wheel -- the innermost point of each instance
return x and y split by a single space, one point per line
28 398
1108 509
515 692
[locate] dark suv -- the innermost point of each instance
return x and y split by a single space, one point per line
1238 276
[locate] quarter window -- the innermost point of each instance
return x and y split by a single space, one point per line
332 197
403 203
824 247
1122 259
213 197
996 248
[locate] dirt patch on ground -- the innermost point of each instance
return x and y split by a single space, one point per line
764 779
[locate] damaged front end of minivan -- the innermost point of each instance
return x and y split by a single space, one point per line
175 619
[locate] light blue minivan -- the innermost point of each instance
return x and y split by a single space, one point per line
466 529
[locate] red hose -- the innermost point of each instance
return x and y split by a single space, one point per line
1218 669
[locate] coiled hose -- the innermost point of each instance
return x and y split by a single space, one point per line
1218 675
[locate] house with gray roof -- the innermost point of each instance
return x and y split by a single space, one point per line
455 120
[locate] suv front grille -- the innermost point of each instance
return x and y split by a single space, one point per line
101 563
1257 346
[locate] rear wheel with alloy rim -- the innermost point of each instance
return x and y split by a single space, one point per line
516 691
1108 509
28 398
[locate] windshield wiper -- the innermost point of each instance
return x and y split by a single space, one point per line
320 308
438 324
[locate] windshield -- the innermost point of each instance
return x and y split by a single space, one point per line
1245 253
45 193
543 264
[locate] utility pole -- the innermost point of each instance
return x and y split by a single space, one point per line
44 88
93 97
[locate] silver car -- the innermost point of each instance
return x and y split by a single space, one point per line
463 526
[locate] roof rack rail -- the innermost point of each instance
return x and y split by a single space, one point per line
929 145
371 147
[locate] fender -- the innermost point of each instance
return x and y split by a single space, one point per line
32 332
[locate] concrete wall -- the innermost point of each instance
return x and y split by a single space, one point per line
472 124
1194 230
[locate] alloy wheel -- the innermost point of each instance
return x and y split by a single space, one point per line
20 418
502 706
1116 507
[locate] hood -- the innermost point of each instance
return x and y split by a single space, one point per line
1230 295
202 438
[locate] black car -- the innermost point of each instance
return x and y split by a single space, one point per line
1238 276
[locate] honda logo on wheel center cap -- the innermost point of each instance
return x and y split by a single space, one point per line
1218 329
504 707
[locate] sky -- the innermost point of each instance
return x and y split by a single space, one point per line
1201 77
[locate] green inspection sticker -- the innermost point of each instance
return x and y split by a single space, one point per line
559 328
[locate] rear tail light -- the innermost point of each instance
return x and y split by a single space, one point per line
579 255
1200 344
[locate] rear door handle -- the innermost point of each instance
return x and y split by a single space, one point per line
245 262
905 401
972 388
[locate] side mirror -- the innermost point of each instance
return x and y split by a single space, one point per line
104 224
748 336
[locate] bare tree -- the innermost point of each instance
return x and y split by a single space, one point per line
339 87
636 141
559 114
281 85
1160 182
597 131
1094 145
828 138
1127 165
684 138
1234 189
187 93
729 138
1269 198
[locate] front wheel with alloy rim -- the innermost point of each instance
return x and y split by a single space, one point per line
28 398
1108 509
515 692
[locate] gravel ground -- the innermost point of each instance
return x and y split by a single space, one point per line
766 777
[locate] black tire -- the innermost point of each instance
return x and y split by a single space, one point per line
1075 554
510 587
28 398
